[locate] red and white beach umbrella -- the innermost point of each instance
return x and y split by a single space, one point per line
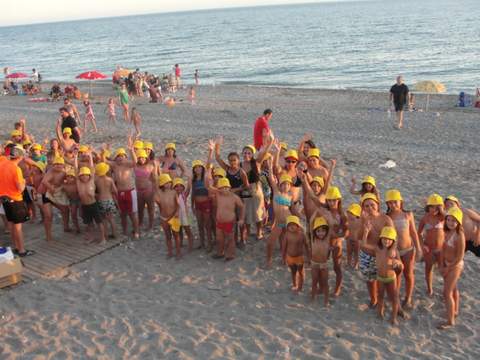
91 75
16 75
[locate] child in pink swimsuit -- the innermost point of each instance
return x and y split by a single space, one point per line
89 116
110 109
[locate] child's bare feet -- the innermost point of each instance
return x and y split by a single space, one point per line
444 326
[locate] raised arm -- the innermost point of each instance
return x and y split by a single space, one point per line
218 158
264 150
333 164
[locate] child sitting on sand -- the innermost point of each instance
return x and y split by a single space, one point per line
294 250
166 199
319 254
389 266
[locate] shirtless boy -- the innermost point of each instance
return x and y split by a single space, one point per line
294 251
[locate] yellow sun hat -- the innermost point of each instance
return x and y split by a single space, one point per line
292 153
141 153
219 172
333 193
178 181
319 180
283 145
15 133
37 147
251 147
67 130
223 183
355 209
393 195
456 213
148 145
164 179
434 200
197 163
389 232
368 196
314 152
285 178
101 169
138 144
70 172
83 149
84 171
319 221
58 161
170 146
292 219
120 151
453 198
41 165
369 180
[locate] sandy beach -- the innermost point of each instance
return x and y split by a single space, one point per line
131 302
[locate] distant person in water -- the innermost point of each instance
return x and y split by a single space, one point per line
398 98
197 77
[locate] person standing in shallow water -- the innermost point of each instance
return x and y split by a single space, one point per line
398 98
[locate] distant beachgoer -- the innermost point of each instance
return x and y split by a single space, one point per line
137 121
89 117
261 130
112 117
178 75
123 95
398 98
191 95
197 77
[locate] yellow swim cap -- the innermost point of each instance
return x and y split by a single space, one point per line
219 172
319 221
84 171
164 179
67 130
453 198
319 180
393 195
285 178
292 219
333 193
283 145
178 181
223 183
83 149
138 144
389 232
355 210
369 180
170 146
37 147
141 153
16 133
120 151
197 163
251 148
58 161
314 152
456 213
148 145
70 172
368 196
434 200
101 169
291 154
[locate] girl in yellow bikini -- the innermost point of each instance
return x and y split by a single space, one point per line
451 268
408 243
430 230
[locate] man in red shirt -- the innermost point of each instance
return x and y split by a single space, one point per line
261 130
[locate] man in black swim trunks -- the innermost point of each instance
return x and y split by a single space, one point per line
398 98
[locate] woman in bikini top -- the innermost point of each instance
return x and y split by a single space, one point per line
170 163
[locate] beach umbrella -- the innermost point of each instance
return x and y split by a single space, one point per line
17 75
430 87
91 75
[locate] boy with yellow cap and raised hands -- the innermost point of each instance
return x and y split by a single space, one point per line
64 137
106 196
353 214
294 251
86 192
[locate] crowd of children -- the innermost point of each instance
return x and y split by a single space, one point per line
285 193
